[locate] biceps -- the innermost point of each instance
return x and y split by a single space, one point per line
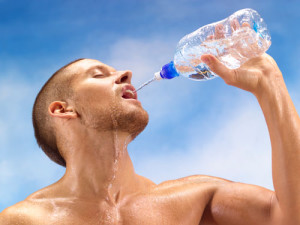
237 203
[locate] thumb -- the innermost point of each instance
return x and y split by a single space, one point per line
217 67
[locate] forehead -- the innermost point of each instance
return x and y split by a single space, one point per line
83 67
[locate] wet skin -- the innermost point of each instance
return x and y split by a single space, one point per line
98 189
183 201
101 187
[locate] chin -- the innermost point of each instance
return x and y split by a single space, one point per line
133 122
128 118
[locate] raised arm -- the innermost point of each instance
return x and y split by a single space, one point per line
262 77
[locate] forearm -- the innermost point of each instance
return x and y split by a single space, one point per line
262 77
284 128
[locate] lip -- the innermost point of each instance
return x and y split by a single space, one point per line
130 88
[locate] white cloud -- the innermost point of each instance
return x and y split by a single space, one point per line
17 173
21 162
3 132
236 145
16 102
142 56
6 171
6 175
239 151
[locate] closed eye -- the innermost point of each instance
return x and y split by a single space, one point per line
99 75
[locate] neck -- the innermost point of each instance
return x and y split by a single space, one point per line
98 165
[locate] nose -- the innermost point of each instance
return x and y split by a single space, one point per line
124 77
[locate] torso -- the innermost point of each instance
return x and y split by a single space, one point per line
181 201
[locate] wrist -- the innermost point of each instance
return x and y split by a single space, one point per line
271 88
275 103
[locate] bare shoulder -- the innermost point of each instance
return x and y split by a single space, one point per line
214 183
222 187
194 181
23 213
197 187
205 188
31 211
218 199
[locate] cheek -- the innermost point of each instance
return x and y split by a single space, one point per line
95 93
93 110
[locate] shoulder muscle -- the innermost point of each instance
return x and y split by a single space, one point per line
21 214
237 203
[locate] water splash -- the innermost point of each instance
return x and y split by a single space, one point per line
115 142
112 215
146 83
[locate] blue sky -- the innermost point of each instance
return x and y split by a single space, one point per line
195 127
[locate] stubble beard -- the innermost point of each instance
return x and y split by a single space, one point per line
133 122
116 118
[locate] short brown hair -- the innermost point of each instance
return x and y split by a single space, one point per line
57 88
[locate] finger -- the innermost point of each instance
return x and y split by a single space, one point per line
210 37
235 25
245 24
219 68
219 31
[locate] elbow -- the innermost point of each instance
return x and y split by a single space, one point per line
280 215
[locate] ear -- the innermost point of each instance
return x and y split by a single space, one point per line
62 110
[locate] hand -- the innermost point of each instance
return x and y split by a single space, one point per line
254 76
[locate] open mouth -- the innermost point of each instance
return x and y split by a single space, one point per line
128 92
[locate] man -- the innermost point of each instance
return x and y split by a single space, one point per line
87 114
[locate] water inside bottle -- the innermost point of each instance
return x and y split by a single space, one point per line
232 51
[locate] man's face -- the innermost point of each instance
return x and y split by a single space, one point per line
104 98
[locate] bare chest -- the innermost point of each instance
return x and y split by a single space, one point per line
143 212
170 203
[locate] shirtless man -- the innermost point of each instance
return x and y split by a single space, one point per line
86 115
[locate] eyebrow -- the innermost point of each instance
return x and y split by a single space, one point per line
100 67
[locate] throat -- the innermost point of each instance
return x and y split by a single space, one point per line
113 198
98 165
101 172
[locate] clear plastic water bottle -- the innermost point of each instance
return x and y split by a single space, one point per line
234 40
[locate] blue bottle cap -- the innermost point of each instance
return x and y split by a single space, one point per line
168 71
